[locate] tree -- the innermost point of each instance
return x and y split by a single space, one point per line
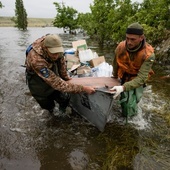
85 23
101 26
109 19
120 17
1 4
66 17
20 18
154 16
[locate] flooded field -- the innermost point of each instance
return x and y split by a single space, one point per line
31 139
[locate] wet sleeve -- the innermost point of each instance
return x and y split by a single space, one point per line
142 75
42 70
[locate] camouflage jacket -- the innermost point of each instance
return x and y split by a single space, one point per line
53 73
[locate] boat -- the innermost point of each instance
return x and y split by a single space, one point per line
95 108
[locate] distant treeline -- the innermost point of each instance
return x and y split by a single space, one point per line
32 22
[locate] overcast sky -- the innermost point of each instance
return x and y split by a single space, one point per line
43 8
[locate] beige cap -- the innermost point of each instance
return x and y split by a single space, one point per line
54 43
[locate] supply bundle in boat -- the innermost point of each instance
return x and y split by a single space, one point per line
91 70
84 62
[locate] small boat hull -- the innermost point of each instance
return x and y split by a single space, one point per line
97 107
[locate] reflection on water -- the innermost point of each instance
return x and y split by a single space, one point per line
31 139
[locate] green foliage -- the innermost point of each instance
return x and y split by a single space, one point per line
100 20
20 18
109 19
120 17
85 23
155 12
154 15
66 17
1 4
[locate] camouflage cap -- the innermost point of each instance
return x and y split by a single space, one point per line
54 43
134 28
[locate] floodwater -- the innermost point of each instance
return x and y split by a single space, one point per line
31 139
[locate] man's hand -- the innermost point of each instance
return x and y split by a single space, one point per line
69 78
88 90
117 90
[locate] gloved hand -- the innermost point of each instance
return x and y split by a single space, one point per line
116 90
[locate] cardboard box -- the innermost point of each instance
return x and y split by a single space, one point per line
74 67
71 61
80 44
84 70
72 58
96 61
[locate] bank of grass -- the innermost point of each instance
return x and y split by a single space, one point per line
32 22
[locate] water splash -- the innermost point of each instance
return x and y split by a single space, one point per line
140 121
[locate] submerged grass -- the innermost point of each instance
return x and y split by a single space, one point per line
154 146
122 147
130 149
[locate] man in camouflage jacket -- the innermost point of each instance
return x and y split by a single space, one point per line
47 75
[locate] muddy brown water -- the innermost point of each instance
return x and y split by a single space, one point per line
31 139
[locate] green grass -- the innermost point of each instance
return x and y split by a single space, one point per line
32 22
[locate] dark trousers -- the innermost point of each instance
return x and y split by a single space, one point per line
44 94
